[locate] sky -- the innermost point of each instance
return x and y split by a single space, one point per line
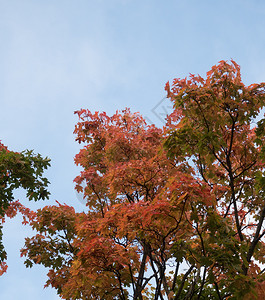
57 57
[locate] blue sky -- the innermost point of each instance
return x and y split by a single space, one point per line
60 56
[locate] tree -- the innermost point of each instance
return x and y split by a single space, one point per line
172 213
19 170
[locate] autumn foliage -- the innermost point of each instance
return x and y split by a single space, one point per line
172 213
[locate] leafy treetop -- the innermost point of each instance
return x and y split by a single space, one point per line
19 170
172 213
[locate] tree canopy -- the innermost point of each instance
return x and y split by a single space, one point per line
19 170
172 213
